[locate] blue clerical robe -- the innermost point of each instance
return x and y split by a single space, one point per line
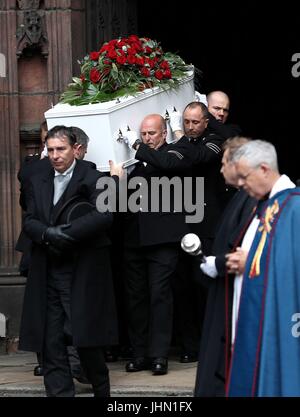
266 353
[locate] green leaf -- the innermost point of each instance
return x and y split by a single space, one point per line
77 80
122 80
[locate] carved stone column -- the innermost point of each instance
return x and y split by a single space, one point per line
9 142
58 22
36 61
10 289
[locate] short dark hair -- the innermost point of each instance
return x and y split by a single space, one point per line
195 104
59 132
81 137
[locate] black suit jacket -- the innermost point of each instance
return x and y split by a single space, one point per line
206 155
193 158
150 228
224 130
92 295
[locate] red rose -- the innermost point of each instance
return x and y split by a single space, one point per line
131 51
164 65
95 75
120 52
121 44
121 60
150 62
94 56
140 61
131 59
167 74
159 74
145 72
112 43
112 54
133 38
104 48
137 46
148 50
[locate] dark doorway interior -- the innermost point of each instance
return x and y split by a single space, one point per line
245 50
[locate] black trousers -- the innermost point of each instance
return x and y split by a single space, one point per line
74 361
190 293
57 373
148 275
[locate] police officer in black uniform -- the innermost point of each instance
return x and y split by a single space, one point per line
152 246
192 128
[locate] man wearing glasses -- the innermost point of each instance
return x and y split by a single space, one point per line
265 348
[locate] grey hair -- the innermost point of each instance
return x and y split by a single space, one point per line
257 152
81 137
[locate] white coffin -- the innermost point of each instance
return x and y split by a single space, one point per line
103 122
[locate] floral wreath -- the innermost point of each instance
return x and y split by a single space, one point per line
123 67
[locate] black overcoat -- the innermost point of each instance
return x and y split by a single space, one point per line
210 380
93 314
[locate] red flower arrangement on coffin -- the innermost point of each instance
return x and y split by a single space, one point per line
124 67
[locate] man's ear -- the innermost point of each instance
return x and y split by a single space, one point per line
77 146
76 149
265 168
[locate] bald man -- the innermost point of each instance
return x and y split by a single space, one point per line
218 104
152 246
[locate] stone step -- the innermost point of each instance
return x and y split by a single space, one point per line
17 379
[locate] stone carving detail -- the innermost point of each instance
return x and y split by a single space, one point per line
32 33
29 4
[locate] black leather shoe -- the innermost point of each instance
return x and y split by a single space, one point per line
38 371
138 364
188 357
159 366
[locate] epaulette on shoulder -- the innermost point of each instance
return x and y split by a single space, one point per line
212 146
178 154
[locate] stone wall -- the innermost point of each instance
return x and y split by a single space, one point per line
40 44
